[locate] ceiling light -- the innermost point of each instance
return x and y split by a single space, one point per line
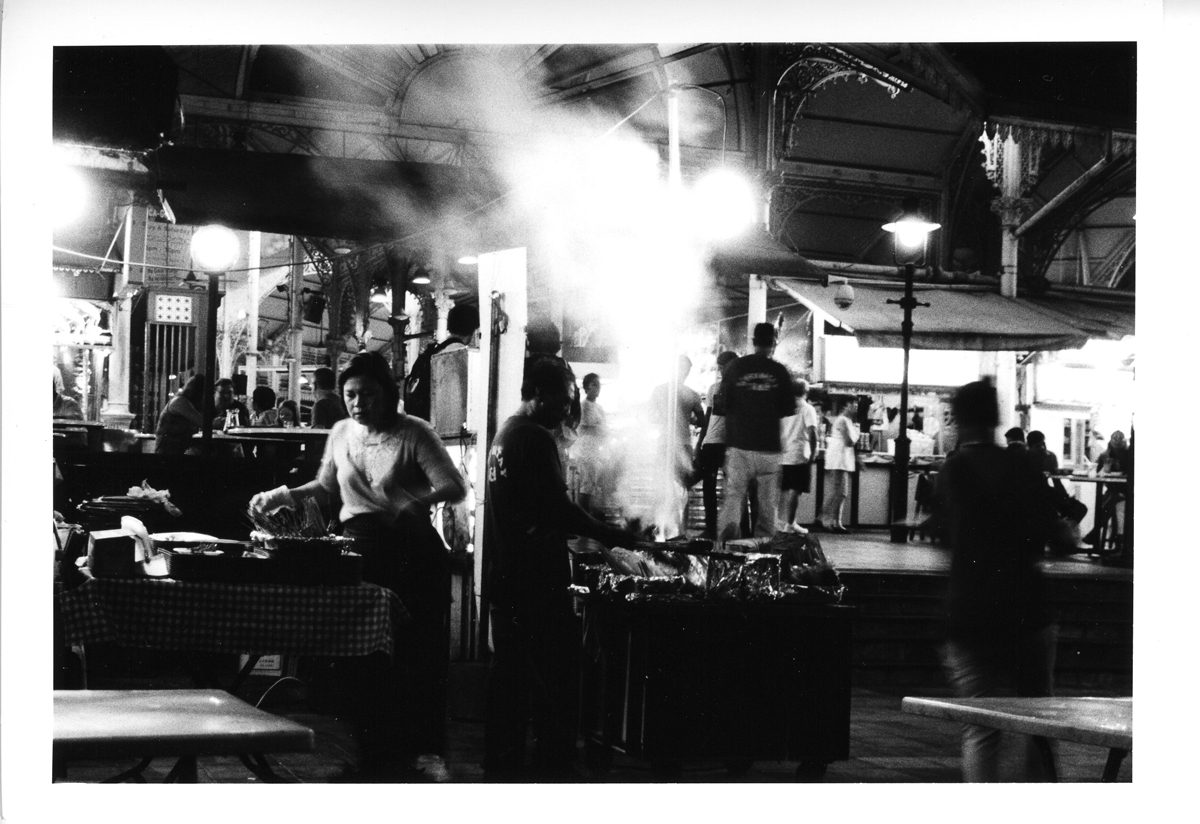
468 260
421 277
381 294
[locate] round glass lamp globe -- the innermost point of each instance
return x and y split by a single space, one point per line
215 248
725 203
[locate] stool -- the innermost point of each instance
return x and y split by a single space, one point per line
183 724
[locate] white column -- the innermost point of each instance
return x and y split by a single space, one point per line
116 411
504 272
1011 207
757 309
253 260
296 330
444 304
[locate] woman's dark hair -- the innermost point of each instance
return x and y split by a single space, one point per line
290 404
374 366
263 397
1035 438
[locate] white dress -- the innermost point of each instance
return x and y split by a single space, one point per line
839 449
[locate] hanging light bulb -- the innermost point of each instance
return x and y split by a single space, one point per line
421 278
381 294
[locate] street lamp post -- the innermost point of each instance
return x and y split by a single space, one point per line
214 249
910 234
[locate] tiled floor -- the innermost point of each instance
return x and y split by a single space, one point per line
886 746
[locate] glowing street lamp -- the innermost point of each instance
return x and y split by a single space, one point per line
910 234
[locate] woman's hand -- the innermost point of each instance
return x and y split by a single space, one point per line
273 499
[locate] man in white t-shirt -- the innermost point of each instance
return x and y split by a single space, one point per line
798 434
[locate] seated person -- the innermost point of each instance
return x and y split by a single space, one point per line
262 407
226 407
66 407
288 413
180 419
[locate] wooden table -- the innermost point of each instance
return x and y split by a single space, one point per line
1102 722
183 724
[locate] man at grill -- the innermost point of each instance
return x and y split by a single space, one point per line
534 630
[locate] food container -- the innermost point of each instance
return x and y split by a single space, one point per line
323 549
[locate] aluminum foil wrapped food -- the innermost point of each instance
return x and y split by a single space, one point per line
747 576
806 572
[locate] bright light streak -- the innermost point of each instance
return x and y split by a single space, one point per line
215 248
72 195
724 204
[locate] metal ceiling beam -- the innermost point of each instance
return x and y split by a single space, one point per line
872 175
335 58
345 117
615 70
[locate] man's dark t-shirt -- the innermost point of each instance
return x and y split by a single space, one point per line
755 394
529 517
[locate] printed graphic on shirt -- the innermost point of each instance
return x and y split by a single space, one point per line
758 382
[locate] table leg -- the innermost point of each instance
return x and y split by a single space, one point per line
184 771
1113 765
257 764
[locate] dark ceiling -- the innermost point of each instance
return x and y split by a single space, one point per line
379 143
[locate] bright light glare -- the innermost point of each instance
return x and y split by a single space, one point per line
215 248
468 260
911 232
724 203
71 195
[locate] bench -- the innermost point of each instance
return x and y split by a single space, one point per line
182 724
1102 722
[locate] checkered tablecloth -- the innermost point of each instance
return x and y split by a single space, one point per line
222 617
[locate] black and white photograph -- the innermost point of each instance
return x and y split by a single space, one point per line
657 404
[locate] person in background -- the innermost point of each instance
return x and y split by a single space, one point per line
1116 456
262 407
66 407
1097 443
799 436
1044 459
543 341
462 326
288 414
1116 459
535 634
688 413
328 408
997 512
1015 438
589 451
180 419
225 405
756 394
388 469
840 462
711 453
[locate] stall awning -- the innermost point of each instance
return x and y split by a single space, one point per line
1102 318
956 318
